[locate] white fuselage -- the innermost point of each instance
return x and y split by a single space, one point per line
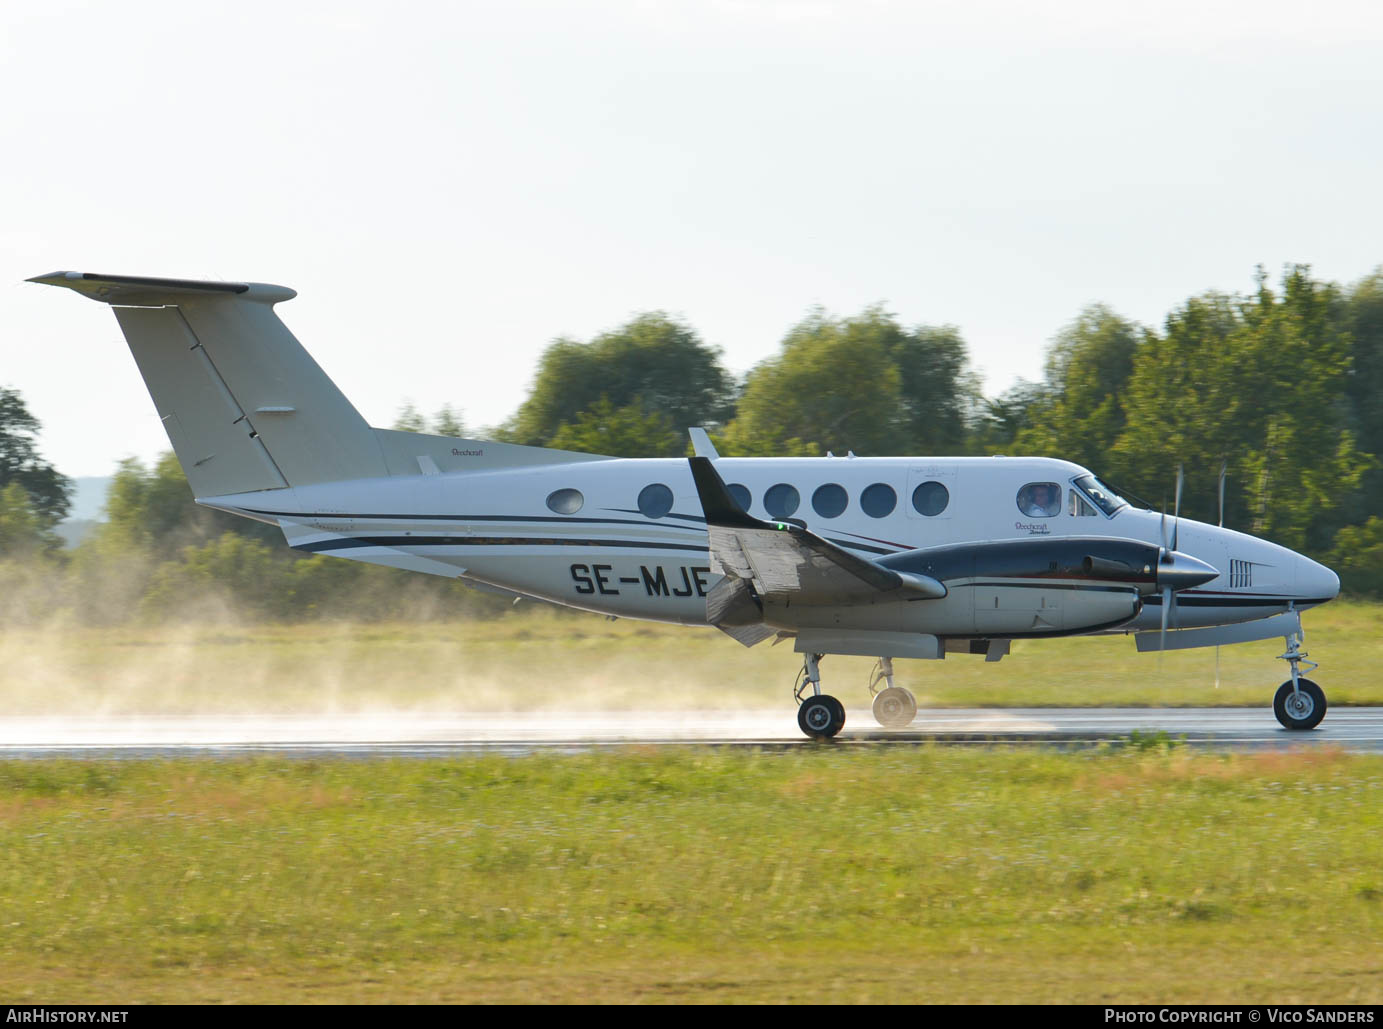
510 528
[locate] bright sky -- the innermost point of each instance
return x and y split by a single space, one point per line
450 186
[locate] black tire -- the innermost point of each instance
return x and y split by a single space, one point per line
840 712
821 717
895 708
1300 712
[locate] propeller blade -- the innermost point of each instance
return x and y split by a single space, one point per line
1224 468
1166 550
1176 510
1167 601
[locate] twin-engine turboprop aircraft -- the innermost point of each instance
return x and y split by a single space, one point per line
886 557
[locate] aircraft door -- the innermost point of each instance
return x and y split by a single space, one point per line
931 495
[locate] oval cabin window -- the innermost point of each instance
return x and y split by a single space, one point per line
878 500
830 500
781 501
566 501
655 500
930 499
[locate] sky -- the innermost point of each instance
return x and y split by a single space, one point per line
451 186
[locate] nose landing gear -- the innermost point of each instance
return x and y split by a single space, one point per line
1300 703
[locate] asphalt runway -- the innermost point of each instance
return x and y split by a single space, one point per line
394 734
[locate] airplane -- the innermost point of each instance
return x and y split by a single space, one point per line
884 557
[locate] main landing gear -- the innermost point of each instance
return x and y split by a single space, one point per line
894 707
822 716
1300 703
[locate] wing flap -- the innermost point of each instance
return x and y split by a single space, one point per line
783 559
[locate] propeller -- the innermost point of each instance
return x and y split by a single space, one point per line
1173 575
1224 469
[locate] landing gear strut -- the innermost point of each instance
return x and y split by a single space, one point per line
894 707
820 716
1300 703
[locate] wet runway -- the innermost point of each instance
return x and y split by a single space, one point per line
394 734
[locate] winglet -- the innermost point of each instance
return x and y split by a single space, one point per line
716 502
702 445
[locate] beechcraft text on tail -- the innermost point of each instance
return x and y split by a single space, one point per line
885 557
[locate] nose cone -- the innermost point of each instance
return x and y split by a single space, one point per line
1184 571
1316 581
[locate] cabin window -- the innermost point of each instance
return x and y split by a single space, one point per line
566 501
1078 507
740 495
655 500
930 499
878 500
781 500
830 500
1040 500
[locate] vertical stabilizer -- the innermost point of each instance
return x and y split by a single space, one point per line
244 405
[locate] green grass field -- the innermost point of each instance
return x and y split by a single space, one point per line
544 659
827 874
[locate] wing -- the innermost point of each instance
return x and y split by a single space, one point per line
760 559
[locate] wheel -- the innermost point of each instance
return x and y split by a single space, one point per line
840 712
821 717
1301 710
894 708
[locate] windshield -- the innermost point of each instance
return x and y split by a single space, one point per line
1100 495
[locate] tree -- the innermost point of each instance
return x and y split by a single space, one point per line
1364 318
1001 419
448 423
49 491
1259 383
1358 558
939 394
409 419
153 511
1081 413
864 384
628 431
22 532
655 362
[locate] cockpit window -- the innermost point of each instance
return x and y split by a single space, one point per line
1040 500
1077 506
1100 495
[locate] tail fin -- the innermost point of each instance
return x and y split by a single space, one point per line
244 405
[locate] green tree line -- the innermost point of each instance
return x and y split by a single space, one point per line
1282 388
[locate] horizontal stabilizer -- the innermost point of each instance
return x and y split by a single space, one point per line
145 291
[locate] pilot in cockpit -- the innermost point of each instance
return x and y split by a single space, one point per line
1039 500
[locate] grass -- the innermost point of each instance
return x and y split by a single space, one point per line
1142 874
545 659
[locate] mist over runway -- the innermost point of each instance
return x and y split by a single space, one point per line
430 734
